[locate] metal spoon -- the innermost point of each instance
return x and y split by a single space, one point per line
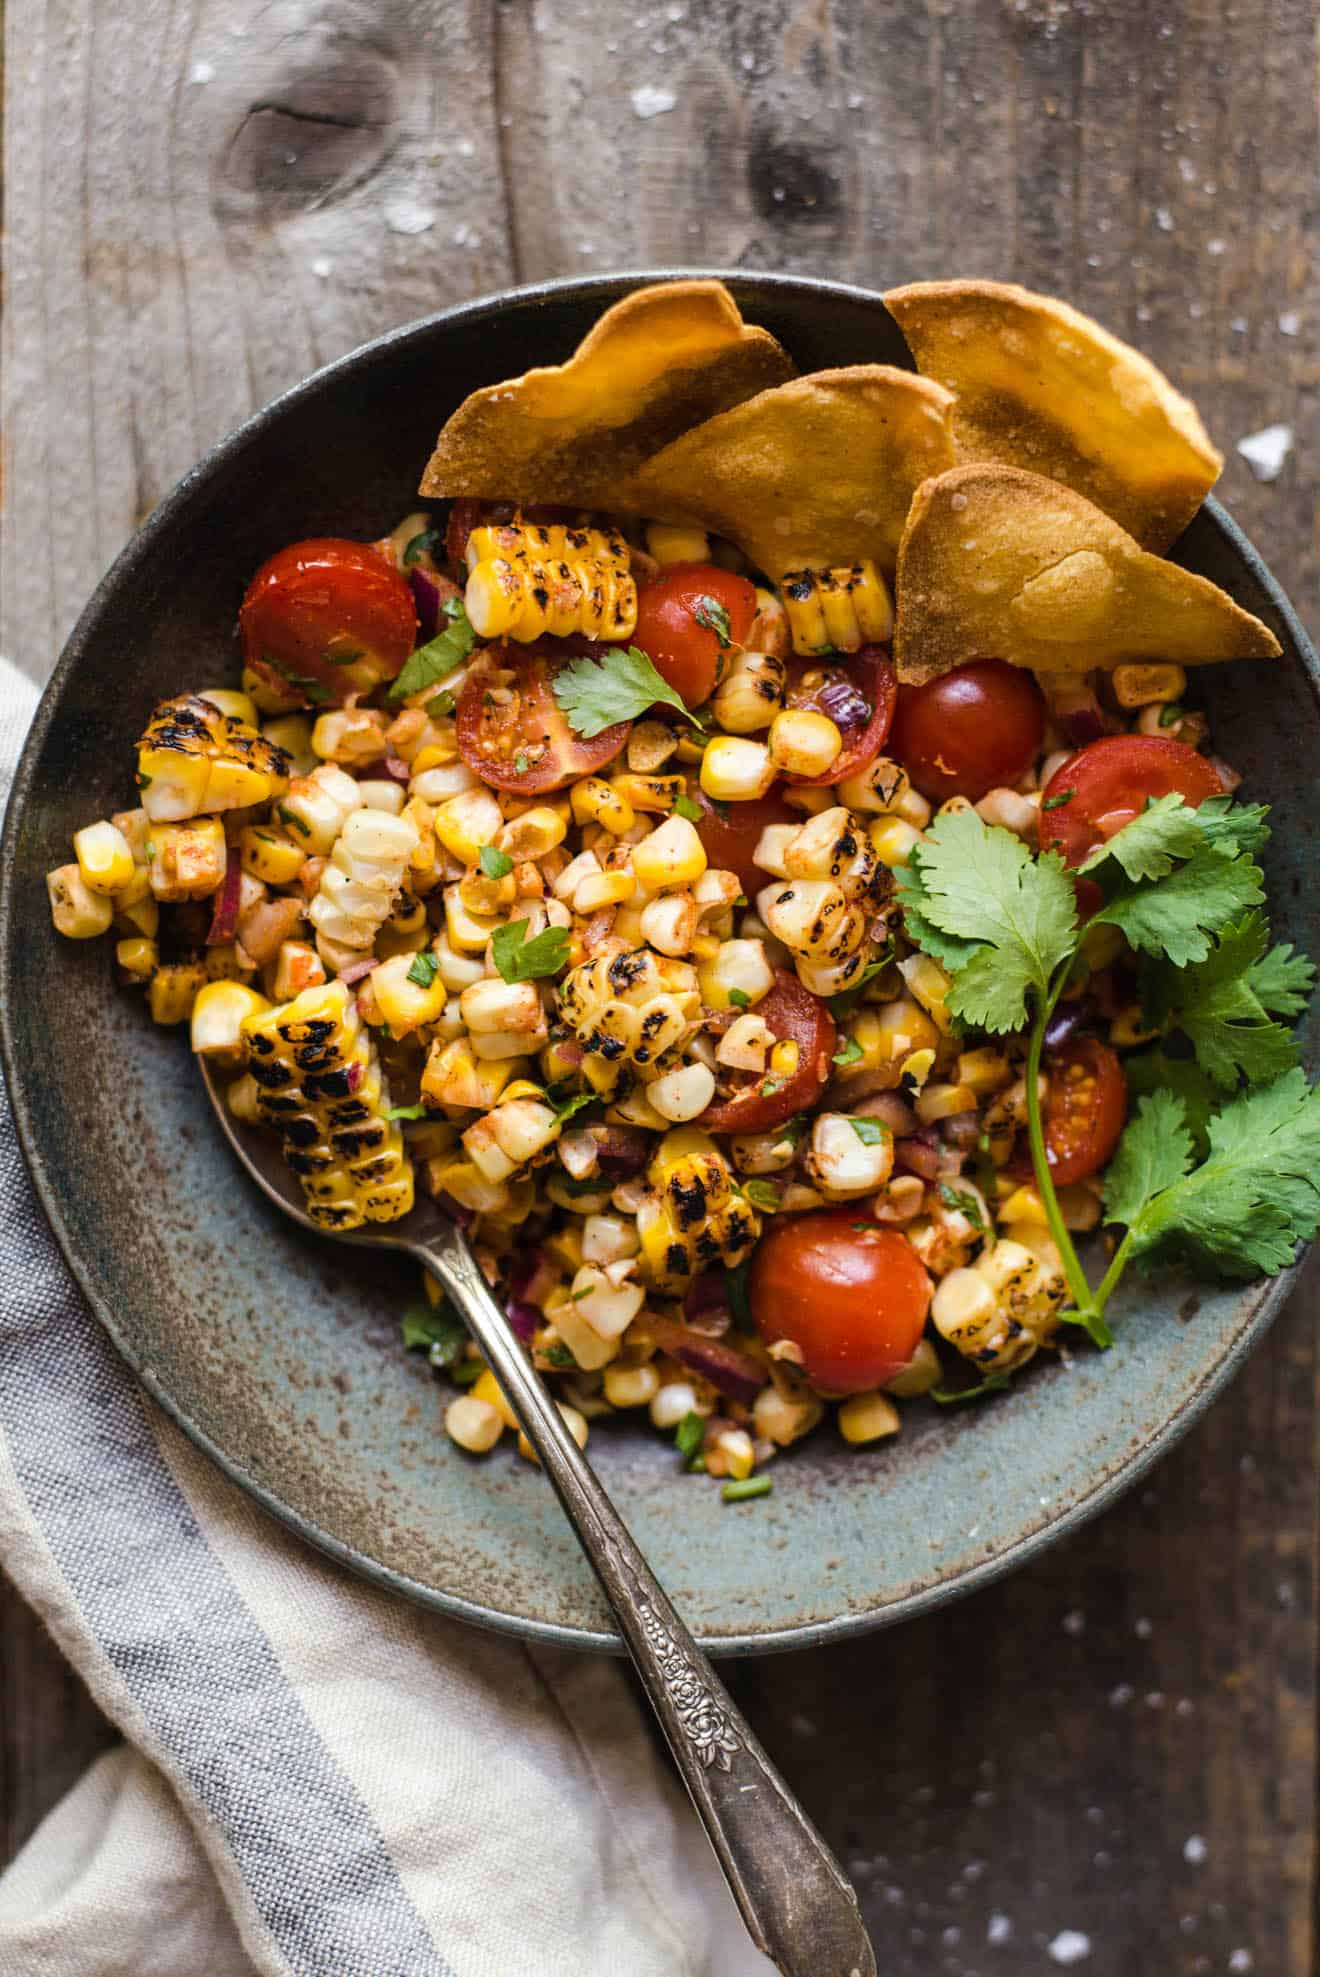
797 1905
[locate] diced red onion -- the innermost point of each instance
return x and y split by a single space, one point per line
569 1051
845 703
224 921
621 1150
356 970
919 1154
961 1130
707 1297
456 1211
524 1318
530 1276
355 1075
426 597
732 1373
394 769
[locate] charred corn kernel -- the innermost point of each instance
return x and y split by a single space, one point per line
673 855
438 785
264 697
632 1006
783 1416
1128 1030
842 1163
669 924
535 832
243 1098
654 794
693 1220
999 1311
603 889
105 858
609 1307
595 802
745 1044
527 580
674 1402
650 746
138 916
218 1014
503 1008
408 917
292 733
731 1453
466 822
323 1093
837 609
362 879
834 845
984 1071
591 1351
193 759
488 1390
671 542
1023 1204
473 1424
922 1372
137 957
683 1093
77 911
1011 811
270 855
917 1067
237 706
944 1101
867 1418
188 860
812 917
298 966
804 743
929 985
751 693
631 1386
172 992
900 1028
316 808
509 1136
468 933
735 769
402 1003
454 1075
879 787
1137 686
784 1058
228 962
894 841
574 1420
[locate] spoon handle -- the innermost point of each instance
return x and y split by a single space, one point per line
794 1899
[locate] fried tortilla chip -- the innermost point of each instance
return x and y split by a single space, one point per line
816 473
1040 386
1000 564
659 361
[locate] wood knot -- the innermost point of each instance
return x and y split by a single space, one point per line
787 183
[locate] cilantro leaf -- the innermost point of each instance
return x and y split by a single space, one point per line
436 1327
1232 828
762 1194
849 1052
1155 1070
1147 847
1282 980
424 969
442 655
425 543
689 1435
979 884
713 617
1174 918
574 1105
685 806
521 960
1154 1152
619 686
1244 1210
1217 1005
950 1396
871 1132
740 998
963 1203
495 864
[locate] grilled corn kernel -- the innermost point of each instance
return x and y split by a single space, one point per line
270 855
531 835
574 1420
1011 811
735 769
984 1071
737 975
466 822
669 924
351 736
297 967
403 1002
238 706
473 1424
78 912
188 860
217 1017
843 1163
867 1418
804 743
454 1075
194 759
382 795
594 802
172 991
527 580
671 542
652 793
323 1093
317 807
751 693
650 746
292 733
361 880
784 1058
812 917
1138 686
600 890
631 1386
929 985
264 697
683 1093
105 858
894 841
137 957
837 609
879 787
673 855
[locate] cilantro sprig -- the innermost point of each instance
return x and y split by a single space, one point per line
439 657
1220 1165
619 686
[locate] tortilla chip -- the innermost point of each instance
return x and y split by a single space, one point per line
816 473
1040 386
1000 564
659 361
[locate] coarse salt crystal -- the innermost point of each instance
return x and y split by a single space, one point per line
1070 1946
1265 451
650 102
1289 323
409 216
1194 1850
201 72
999 1929
1241 1962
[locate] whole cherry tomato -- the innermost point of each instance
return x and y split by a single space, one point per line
760 1101
972 730
688 621
1107 783
852 1299
858 695
731 832
326 618
1085 1111
512 732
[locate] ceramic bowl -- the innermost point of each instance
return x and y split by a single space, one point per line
280 1355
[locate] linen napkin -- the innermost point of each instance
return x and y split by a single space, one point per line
317 1778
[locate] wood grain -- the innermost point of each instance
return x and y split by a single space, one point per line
205 201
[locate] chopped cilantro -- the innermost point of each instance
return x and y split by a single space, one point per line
1170 714
991 1384
426 543
437 1328
689 1435
558 1355
1057 801
405 1112
439 657
494 863
871 1132
685 806
441 705
466 1373
740 998
849 1052
424 969
712 616
749 1487
573 1105
294 822
761 1194
963 1204
521 960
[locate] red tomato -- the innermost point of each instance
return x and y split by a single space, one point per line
853 1300
512 733
969 731
466 512
858 697
760 1101
326 618
687 652
1085 1111
731 832
1106 784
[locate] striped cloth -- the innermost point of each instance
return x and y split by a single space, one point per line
316 1778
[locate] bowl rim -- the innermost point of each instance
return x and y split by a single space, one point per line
602 287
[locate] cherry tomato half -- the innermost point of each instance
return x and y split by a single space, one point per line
731 832
1106 784
681 625
760 1101
1086 1108
969 731
511 731
853 1300
858 696
326 618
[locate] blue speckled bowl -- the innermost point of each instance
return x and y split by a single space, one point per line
279 1354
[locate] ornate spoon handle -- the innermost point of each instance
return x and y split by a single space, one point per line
794 1899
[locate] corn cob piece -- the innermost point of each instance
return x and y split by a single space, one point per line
361 881
1003 1308
630 1008
320 1087
194 760
693 1220
527 579
837 610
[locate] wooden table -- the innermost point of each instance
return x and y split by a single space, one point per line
204 201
